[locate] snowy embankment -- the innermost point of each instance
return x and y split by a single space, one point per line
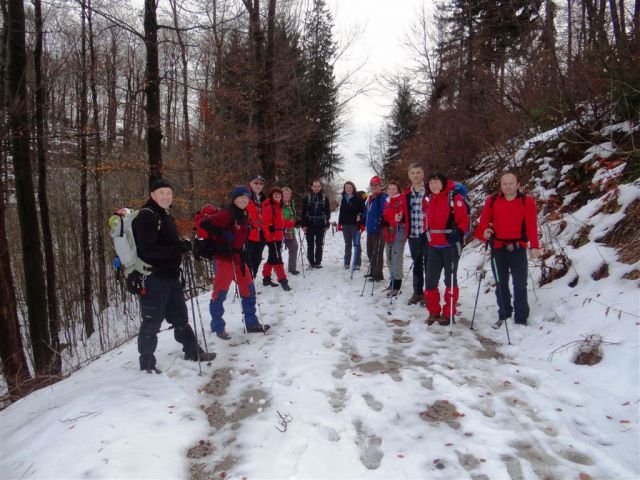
364 388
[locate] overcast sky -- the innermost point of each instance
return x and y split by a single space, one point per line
383 26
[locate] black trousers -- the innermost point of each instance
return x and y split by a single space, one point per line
514 262
419 254
164 300
442 258
254 254
315 244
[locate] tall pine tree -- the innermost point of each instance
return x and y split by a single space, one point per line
402 126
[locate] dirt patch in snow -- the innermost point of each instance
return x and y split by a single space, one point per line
442 411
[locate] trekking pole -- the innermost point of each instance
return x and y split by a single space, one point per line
256 296
368 275
497 278
356 251
301 248
394 258
376 252
204 337
193 313
482 273
451 293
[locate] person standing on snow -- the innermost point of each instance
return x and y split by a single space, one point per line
229 229
447 220
315 221
157 243
375 244
274 225
416 200
394 233
509 221
351 223
256 242
290 240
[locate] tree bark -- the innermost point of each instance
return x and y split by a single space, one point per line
186 141
83 131
32 259
152 91
43 197
14 362
100 213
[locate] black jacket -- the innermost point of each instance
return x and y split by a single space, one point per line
157 242
315 210
350 209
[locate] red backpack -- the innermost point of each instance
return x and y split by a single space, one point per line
205 212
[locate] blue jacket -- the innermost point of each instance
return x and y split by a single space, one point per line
375 207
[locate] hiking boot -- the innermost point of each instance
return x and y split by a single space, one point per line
386 289
294 272
267 282
204 356
284 283
432 318
258 328
223 335
444 321
151 370
415 299
357 268
346 267
393 293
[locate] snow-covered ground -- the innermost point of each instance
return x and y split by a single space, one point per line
364 388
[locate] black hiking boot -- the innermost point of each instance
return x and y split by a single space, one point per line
415 299
284 283
204 356
444 321
152 370
498 324
294 272
258 328
432 319
223 335
267 282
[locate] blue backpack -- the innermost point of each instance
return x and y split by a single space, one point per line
457 235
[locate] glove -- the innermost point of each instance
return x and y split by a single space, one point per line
228 236
384 223
362 228
185 246
135 283
339 227
272 228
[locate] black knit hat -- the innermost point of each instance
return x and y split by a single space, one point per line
159 183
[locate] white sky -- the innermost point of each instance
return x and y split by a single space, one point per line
384 25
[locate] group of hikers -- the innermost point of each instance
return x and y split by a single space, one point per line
431 214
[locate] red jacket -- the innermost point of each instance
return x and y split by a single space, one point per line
230 219
438 211
273 222
510 218
255 216
392 206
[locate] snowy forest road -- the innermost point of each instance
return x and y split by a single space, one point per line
371 391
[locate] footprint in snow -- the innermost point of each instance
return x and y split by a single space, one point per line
372 403
370 453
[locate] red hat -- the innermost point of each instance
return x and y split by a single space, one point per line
375 181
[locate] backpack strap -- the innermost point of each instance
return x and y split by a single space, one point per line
156 216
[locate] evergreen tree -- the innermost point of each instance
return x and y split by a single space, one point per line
319 95
402 126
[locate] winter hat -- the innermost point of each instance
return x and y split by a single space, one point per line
159 183
238 191
258 178
375 181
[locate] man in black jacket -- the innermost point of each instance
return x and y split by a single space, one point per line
315 221
157 243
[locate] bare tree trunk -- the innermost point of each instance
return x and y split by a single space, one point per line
87 298
269 61
14 362
569 33
188 156
617 29
100 213
152 91
29 228
112 101
43 197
